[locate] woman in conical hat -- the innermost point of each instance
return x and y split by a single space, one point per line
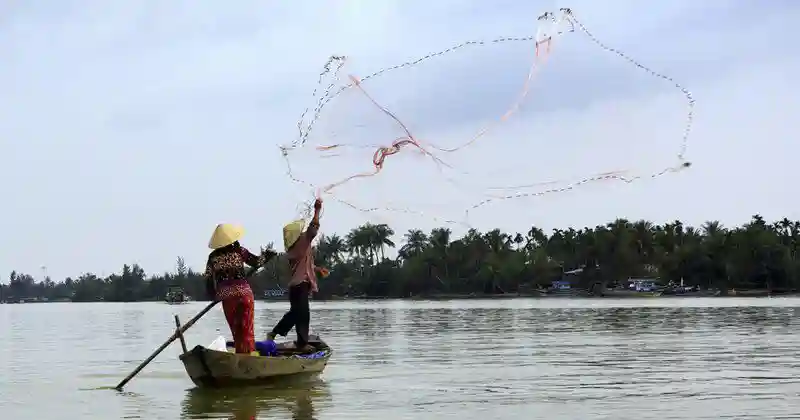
226 282
303 281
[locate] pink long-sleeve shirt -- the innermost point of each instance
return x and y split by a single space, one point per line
301 258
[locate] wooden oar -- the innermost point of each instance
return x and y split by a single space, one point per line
173 337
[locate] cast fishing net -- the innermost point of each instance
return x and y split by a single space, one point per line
485 122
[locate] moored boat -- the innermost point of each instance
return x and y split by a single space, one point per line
691 293
635 287
218 366
620 293
277 293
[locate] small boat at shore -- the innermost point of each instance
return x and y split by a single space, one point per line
277 293
218 366
627 293
687 293
635 287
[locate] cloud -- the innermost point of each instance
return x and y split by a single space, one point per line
131 129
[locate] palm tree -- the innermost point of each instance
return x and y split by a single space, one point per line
440 243
440 238
330 249
535 238
415 242
712 228
382 237
643 238
518 240
359 243
498 241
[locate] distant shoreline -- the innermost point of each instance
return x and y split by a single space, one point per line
634 258
552 296
758 293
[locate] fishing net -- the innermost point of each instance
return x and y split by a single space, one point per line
485 122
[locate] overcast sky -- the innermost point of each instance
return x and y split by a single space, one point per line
128 130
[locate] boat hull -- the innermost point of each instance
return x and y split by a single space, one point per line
218 369
701 294
629 294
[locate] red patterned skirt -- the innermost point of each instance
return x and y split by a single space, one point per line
238 304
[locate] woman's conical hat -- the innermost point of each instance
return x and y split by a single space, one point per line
292 232
224 235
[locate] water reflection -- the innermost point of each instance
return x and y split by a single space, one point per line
656 359
296 402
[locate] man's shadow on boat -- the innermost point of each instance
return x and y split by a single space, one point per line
269 401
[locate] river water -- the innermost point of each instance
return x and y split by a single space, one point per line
558 359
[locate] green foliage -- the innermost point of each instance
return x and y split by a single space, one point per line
755 255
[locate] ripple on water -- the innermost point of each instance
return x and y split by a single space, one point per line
563 359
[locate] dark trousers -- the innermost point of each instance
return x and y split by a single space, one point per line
299 315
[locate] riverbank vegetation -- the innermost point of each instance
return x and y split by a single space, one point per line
757 255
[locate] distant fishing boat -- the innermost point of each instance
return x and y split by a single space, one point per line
682 290
563 287
218 366
636 287
275 294
175 295
629 293
27 300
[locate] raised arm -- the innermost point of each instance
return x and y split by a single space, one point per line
313 226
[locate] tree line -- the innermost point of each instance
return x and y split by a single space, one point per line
756 255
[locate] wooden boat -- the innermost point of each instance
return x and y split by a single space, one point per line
217 366
635 287
176 295
691 293
625 293
277 293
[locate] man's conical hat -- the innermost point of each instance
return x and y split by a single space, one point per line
292 232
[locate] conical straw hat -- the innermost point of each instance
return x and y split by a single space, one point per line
224 235
292 232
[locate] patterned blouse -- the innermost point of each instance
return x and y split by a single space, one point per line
225 273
